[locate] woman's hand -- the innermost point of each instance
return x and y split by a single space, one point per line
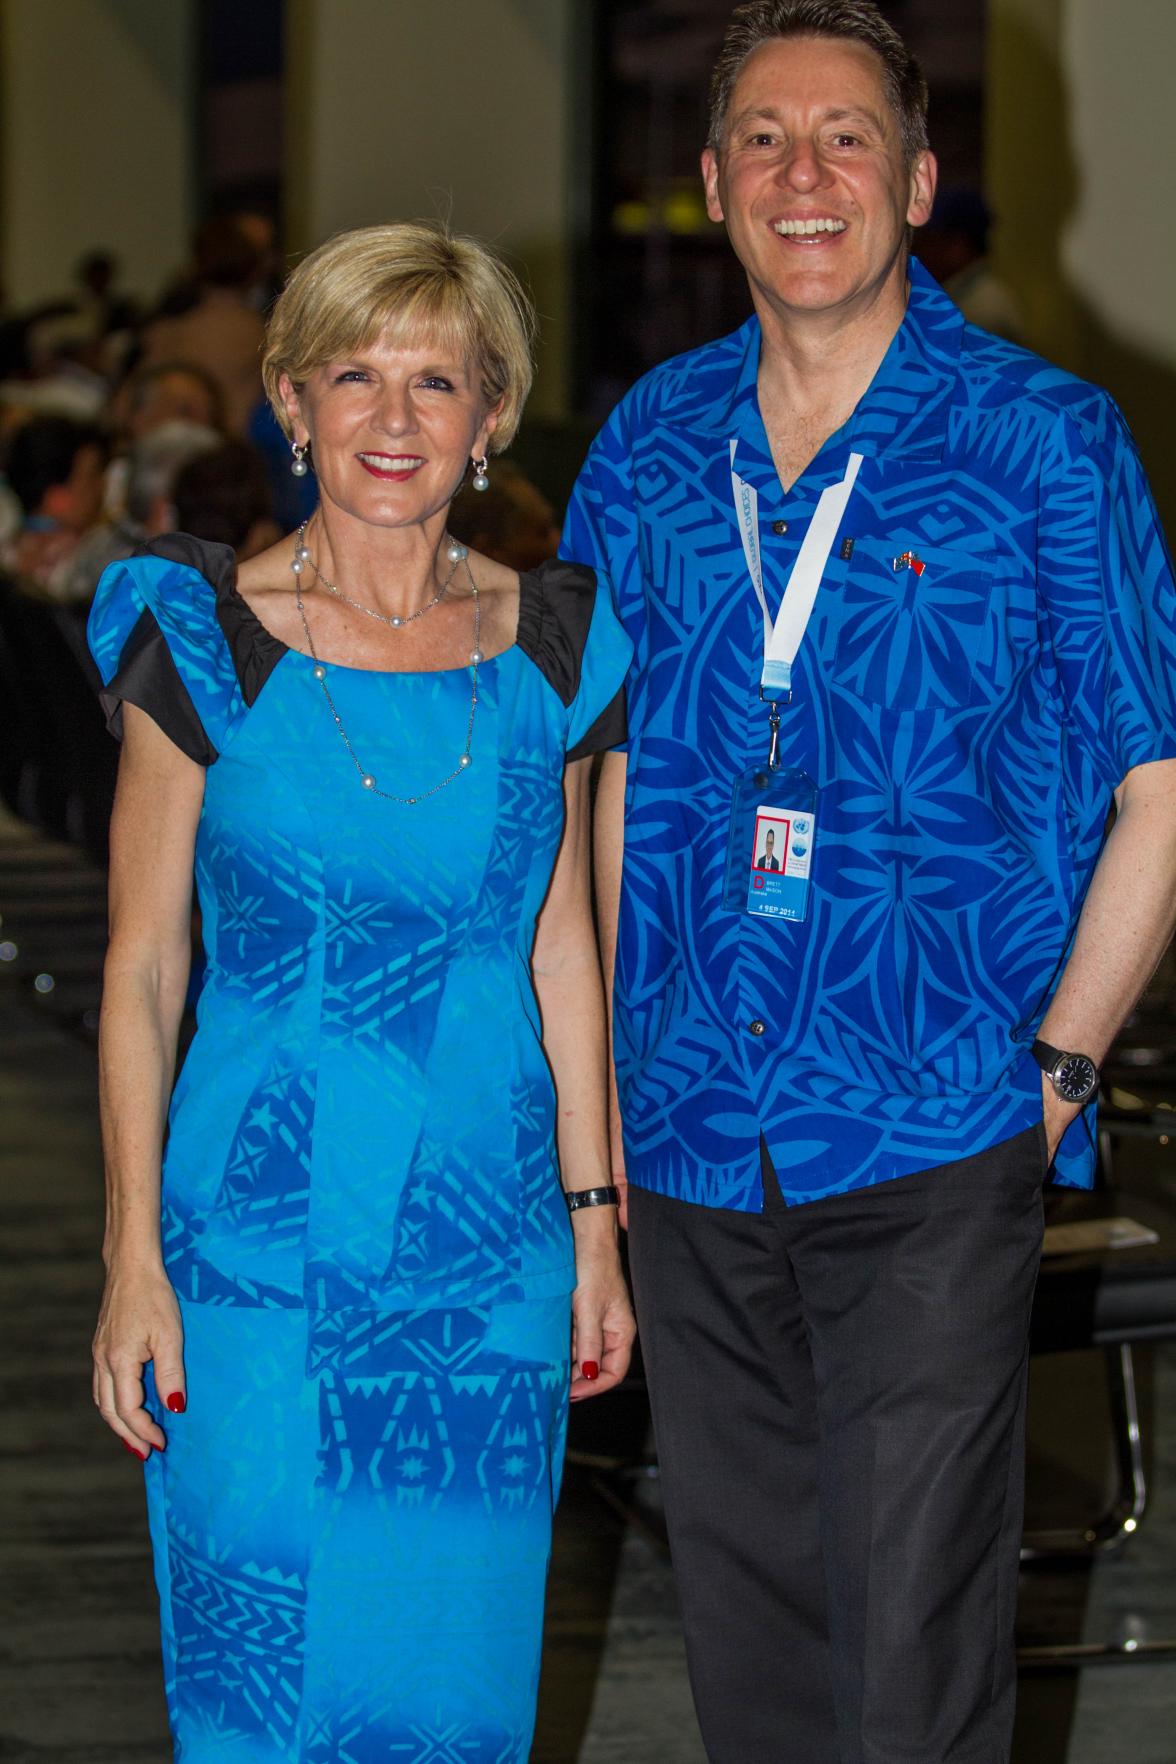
152 843
139 1321
603 1326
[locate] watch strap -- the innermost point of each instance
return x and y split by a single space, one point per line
592 1197
1046 1056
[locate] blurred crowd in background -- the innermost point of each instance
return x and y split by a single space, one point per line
120 422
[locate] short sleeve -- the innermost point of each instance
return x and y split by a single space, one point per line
1105 575
601 529
569 627
155 636
599 720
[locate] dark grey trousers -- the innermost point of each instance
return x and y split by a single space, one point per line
838 1395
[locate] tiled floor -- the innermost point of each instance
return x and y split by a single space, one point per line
78 1650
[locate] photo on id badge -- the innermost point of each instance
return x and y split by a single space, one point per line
781 862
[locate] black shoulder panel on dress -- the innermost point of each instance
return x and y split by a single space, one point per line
611 729
256 652
216 563
148 677
555 613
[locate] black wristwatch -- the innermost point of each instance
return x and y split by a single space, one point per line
607 1196
1073 1076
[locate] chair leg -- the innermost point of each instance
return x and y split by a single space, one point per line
1075 1655
1116 1525
1112 1529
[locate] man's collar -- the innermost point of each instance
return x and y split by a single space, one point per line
903 411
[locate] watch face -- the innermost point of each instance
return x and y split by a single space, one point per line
1075 1078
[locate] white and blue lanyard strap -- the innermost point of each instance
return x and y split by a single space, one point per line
784 636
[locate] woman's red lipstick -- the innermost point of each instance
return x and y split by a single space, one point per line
395 467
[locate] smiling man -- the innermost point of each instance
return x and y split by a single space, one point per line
896 588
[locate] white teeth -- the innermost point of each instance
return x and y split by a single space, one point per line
793 229
382 463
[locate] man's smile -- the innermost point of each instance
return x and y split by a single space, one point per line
808 226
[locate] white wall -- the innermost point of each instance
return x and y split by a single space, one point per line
95 135
1119 247
1081 174
453 109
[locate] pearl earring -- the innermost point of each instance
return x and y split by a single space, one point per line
298 464
480 480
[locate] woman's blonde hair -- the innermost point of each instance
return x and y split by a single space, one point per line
408 282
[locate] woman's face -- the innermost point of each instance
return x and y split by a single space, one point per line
391 430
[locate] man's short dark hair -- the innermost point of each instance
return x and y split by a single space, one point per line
225 257
42 453
854 21
222 494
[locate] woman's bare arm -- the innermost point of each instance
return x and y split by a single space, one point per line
608 859
566 968
152 838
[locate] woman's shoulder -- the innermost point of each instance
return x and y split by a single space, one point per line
566 612
174 609
569 627
156 637
556 603
176 579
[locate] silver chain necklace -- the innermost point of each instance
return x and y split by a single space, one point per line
397 621
366 778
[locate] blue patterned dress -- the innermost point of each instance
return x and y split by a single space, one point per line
362 1215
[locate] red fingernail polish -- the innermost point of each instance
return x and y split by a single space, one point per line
590 1369
142 1456
177 1402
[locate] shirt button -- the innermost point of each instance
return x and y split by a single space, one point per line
757 1026
779 527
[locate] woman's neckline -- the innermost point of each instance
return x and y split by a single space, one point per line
383 673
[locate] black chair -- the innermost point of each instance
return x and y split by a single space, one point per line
60 764
1114 1299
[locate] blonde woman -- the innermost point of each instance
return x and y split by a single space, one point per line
338 1311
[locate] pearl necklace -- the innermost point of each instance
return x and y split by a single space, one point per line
397 621
366 778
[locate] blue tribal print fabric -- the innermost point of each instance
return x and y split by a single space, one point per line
365 1117
993 647
352 1526
362 1214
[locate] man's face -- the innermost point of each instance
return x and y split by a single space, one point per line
174 397
810 137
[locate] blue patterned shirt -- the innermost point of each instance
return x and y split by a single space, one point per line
966 724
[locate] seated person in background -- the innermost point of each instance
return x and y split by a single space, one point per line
99 299
221 332
149 399
171 391
511 521
150 472
56 469
954 247
224 496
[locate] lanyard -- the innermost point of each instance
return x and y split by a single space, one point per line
783 639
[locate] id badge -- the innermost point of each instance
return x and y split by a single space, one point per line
770 850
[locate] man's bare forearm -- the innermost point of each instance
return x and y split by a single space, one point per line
1126 923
